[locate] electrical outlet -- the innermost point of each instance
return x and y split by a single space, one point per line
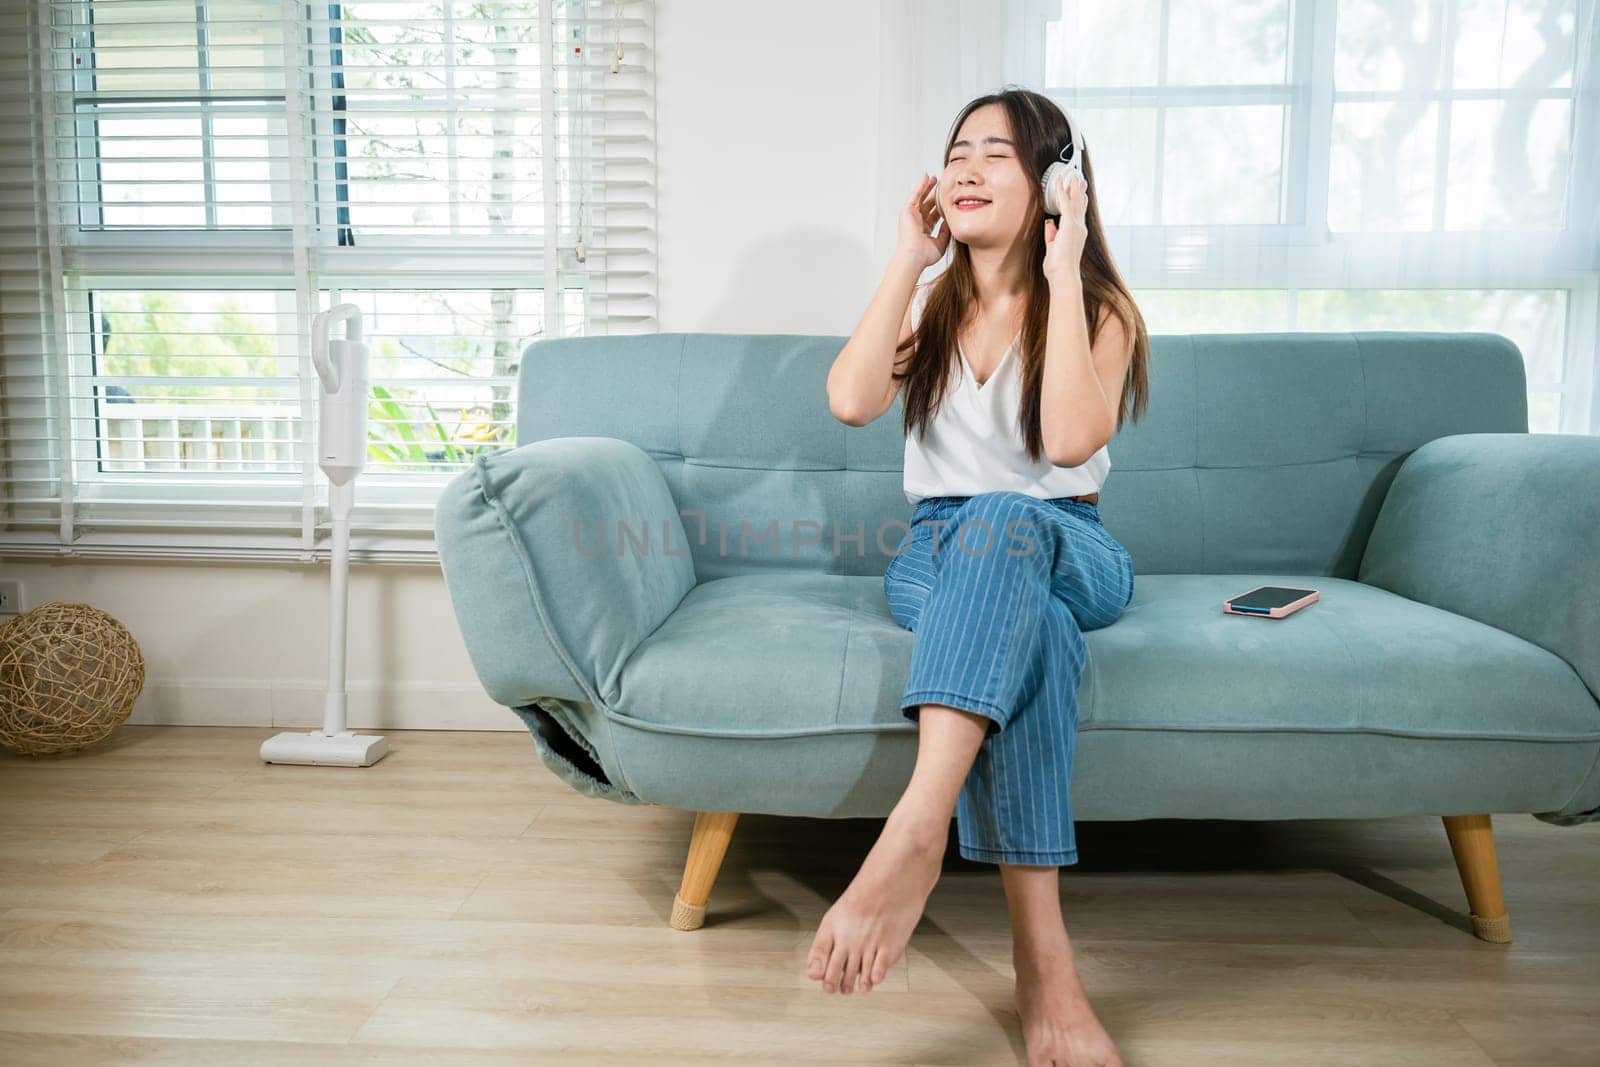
10 598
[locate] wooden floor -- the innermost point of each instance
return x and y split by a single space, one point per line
168 899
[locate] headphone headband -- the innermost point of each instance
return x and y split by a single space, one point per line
1072 151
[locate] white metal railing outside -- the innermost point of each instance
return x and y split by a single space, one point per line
141 437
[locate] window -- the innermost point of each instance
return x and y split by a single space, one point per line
473 174
1452 116
196 382
1188 140
1354 165
177 112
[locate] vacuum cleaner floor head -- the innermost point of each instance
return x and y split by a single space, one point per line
324 750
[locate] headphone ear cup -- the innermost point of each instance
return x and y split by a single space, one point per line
1048 184
1057 172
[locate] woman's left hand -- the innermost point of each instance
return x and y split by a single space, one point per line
1063 249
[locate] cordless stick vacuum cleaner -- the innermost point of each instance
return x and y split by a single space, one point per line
342 451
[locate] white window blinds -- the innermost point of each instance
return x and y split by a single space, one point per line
198 177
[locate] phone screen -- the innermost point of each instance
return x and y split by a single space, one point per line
1269 596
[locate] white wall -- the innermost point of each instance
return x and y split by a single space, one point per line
767 152
768 157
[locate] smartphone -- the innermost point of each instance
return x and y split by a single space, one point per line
1272 601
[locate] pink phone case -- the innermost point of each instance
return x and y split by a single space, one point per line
1270 613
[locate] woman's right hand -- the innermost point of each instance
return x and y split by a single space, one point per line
919 216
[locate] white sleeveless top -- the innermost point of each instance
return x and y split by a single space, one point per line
973 445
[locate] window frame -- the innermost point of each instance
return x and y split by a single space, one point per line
1302 252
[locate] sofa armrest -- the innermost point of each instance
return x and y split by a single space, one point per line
1503 528
560 556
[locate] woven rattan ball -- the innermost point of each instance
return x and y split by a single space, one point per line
69 674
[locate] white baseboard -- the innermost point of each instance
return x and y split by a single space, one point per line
298 705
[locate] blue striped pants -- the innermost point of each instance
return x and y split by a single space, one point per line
998 589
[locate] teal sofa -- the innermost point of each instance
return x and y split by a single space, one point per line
727 648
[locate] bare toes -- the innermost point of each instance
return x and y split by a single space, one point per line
869 970
835 968
817 962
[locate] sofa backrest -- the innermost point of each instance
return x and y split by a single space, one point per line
1264 453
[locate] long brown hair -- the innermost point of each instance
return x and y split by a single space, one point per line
1039 128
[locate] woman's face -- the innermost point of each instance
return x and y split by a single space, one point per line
984 167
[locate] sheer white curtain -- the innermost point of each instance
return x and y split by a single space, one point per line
1269 165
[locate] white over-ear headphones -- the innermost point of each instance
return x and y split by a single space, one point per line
1071 162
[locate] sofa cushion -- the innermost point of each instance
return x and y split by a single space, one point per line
1359 659
793 654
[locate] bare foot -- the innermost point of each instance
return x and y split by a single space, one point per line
866 930
1058 1026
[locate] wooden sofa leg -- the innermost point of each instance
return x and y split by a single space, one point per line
1472 842
712 832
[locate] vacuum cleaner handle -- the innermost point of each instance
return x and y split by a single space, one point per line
321 323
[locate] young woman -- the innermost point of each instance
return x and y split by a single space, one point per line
1018 364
